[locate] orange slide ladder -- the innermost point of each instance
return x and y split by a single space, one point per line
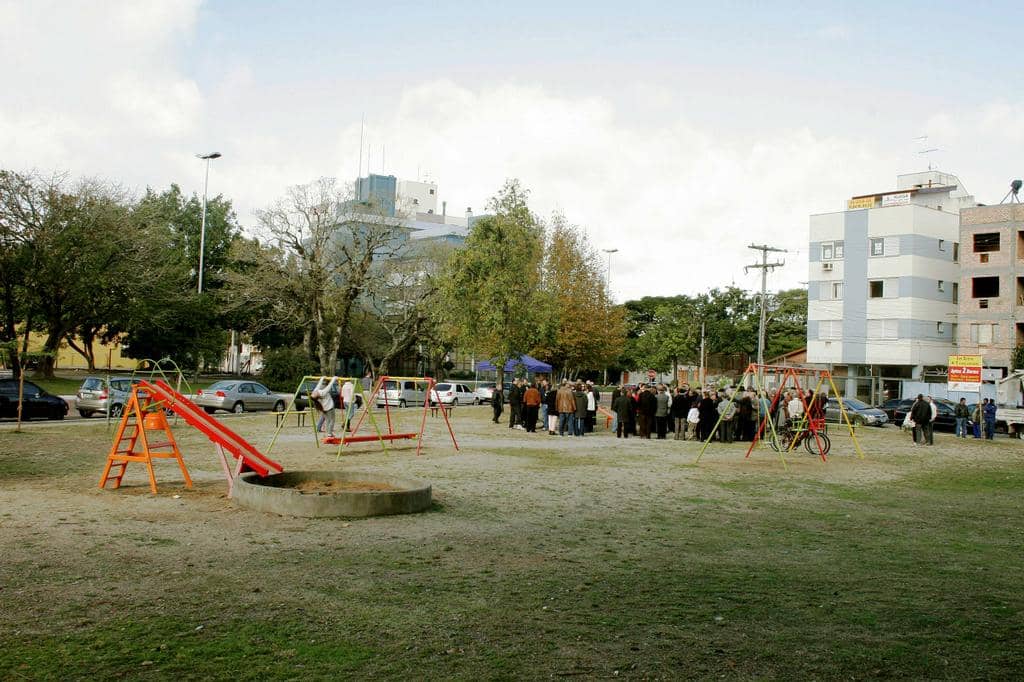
144 412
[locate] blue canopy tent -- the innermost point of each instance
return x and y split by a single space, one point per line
532 365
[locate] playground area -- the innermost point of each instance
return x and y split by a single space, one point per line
540 557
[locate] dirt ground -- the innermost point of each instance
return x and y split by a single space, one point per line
76 558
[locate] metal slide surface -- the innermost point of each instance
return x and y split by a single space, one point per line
213 429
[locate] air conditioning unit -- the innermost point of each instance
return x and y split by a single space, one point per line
826 267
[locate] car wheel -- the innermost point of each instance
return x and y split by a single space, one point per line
401 403
238 408
858 421
210 410
85 414
455 402
279 406
116 411
476 401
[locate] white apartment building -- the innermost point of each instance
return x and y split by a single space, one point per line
416 197
883 279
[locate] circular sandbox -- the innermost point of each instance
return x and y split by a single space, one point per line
331 493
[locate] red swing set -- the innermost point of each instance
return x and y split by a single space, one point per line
810 428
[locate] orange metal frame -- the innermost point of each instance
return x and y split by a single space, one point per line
391 435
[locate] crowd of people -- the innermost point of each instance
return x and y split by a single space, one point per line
647 411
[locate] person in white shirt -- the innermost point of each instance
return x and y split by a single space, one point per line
322 394
795 408
348 402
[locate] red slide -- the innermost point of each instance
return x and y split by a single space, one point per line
252 459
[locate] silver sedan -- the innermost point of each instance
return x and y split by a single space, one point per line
239 396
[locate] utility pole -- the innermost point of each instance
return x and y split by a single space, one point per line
701 373
764 266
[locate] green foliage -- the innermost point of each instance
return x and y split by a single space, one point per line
283 368
491 301
1018 357
662 329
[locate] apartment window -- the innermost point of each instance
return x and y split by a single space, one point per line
431 192
956 292
837 291
984 334
826 251
830 329
876 288
942 245
882 329
942 285
985 287
939 328
877 246
839 249
986 241
956 252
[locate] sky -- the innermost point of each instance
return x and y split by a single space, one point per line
677 133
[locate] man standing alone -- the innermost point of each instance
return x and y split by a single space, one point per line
497 401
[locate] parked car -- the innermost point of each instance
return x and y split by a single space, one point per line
97 395
36 403
857 411
890 406
239 396
484 392
453 394
401 392
944 421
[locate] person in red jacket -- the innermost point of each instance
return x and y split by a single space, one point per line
531 405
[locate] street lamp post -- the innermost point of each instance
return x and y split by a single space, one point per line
608 285
202 226
608 272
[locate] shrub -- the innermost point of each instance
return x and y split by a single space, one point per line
283 368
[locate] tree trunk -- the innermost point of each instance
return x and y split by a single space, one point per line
85 350
10 330
50 348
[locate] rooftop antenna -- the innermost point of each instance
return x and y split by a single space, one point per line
923 139
1012 195
362 125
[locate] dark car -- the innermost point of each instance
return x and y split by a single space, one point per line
36 403
892 405
945 420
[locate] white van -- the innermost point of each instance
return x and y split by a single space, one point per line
401 392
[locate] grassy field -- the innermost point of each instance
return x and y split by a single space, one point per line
543 557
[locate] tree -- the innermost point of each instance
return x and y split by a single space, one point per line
69 242
786 325
165 316
491 303
328 244
400 305
582 328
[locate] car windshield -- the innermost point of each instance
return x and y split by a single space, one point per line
223 386
92 384
854 404
444 387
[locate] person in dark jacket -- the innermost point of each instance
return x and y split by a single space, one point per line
745 418
497 402
580 394
623 407
989 412
680 407
646 409
551 400
921 415
515 404
708 416
962 414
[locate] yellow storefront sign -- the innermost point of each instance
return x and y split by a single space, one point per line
965 360
860 202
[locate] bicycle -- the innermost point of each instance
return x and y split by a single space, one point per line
813 435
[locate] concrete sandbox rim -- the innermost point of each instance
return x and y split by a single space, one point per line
276 494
